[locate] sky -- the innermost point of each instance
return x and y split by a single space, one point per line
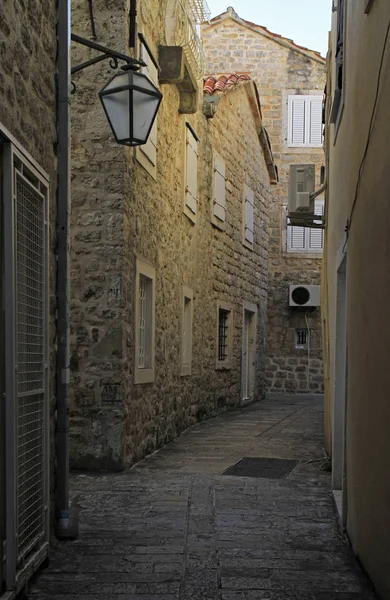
307 22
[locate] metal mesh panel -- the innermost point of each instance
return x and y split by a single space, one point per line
30 323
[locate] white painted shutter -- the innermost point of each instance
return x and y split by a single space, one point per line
191 171
297 120
150 148
296 238
219 200
316 236
249 219
315 121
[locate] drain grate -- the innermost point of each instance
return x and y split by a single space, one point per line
265 468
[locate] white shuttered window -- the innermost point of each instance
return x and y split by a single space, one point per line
249 199
219 191
191 187
150 148
305 121
307 239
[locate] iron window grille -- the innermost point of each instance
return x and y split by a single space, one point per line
301 338
144 323
223 320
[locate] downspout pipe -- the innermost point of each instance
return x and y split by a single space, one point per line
320 191
66 524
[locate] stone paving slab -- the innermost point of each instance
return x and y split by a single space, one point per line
174 528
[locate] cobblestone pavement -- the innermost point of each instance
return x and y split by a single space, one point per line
174 528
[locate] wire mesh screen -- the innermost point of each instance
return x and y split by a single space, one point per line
30 335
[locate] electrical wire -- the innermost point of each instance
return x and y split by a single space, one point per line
370 128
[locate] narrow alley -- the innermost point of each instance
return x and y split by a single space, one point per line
175 527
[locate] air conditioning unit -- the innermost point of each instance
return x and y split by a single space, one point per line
301 185
305 295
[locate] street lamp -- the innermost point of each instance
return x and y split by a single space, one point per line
130 101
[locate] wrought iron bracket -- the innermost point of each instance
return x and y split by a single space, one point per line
105 54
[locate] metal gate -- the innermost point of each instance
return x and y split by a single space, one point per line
25 200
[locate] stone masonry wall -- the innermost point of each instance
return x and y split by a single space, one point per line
121 211
279 70
28 50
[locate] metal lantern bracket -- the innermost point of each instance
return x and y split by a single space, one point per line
105 54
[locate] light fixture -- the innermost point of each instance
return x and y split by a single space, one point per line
130 101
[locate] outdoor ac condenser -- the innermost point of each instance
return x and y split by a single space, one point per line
301 185
305 295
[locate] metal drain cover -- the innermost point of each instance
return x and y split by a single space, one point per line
265 468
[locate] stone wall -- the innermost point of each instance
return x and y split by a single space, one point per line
121 211
280 68
28 49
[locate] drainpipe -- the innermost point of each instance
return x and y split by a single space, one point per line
320 191
65 526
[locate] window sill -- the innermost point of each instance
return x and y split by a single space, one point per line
223 366
189 214
247 245
218 224
303 254
143 376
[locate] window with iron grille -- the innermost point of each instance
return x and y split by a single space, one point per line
145 322
186 334
224 335
301 339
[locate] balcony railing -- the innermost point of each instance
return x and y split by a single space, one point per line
184 19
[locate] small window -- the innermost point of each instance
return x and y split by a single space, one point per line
305 121
191 174
186 345
307 239
219 192
147 153
338 97
224 336
301 339
144 322
248 208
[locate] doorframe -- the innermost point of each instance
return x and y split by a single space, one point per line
339 464
249 307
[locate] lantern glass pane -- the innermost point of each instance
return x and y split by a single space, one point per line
144 110
117 107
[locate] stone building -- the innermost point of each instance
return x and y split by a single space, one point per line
291 82
28 179
169 246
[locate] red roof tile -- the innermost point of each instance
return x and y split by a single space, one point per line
223 83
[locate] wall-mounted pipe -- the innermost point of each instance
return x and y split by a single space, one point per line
65 528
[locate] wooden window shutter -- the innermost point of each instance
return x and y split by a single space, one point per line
191 191
315 121
249 217
316 236
297 120
150 148
219 192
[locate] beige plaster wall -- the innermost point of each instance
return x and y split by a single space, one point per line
278 70
368 284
